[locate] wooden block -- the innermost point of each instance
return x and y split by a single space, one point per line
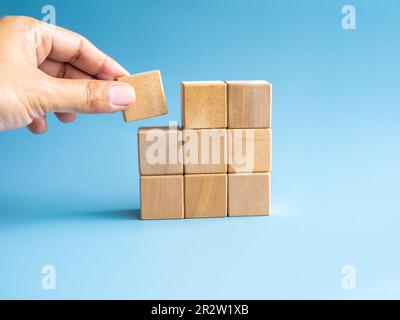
204 104
249 150
160 151
205 195
205 150
150 98
249 194
161 197
249 104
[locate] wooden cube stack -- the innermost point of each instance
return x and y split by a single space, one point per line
227 174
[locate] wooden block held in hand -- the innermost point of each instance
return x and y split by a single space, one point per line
205 195
204 104
249 104
248 194
249 150
161 197
205 150
160 151
150 98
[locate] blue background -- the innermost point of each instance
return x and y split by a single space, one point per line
70 198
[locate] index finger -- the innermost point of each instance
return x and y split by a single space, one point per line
68 46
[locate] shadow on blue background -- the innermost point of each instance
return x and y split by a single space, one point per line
70 198
37 217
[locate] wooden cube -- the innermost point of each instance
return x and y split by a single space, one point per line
205 150
204 104
160 151
150 98
249 150
205 195
249 194
249 104
161 197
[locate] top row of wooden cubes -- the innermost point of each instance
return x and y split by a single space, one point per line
230 104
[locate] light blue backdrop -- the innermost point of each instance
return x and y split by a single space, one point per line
70 198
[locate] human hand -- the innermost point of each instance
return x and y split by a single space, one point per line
44 68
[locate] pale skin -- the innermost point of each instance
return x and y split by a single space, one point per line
48 69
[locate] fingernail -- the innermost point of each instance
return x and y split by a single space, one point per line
122 95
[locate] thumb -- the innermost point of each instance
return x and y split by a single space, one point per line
87 96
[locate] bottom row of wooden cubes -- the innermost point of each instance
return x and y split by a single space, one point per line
204 195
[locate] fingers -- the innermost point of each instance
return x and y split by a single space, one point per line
38 125
62 70
86 96
68 46
66 117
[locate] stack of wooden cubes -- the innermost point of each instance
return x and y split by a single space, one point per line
221 157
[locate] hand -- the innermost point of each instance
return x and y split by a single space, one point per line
44 68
